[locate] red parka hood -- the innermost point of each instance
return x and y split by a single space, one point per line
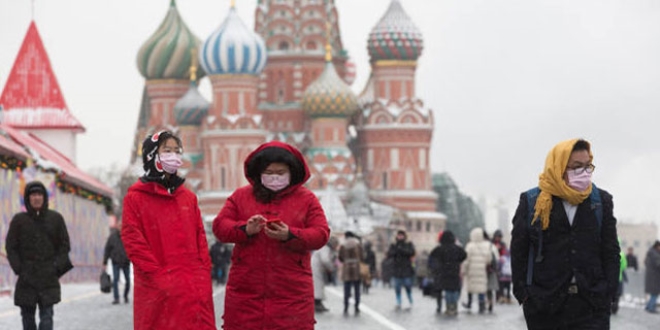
277 144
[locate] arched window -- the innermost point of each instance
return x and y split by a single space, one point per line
283 45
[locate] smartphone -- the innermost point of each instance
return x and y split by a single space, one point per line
269 222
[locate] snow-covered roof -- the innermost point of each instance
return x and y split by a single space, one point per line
48 158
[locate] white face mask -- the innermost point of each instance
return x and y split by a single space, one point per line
579 182
275 182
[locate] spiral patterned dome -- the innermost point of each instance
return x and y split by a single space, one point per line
233 49
329 96
191 108
395 37
167 53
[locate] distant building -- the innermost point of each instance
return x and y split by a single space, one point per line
288 80
638 236
462 212
38 142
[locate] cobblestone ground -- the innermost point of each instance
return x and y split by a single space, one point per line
84 307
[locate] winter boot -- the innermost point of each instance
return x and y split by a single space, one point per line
452 309
318 306
482 307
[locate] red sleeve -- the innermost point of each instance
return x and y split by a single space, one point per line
227 226
135 243
202 243
316 232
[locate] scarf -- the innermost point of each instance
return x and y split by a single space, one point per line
551 182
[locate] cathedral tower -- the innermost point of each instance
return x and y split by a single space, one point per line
395 129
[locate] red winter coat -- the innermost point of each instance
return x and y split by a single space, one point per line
164 237
270 282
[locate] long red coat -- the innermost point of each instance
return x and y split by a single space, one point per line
164 238
270 282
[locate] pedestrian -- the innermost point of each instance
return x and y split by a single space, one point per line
491 271
445 265
474 268
564 247
38 248
323 262
631 259
386 271
652 277
422 269
350 255
622 278
114 250
275 224
370 261
402 252
500 246
164 238
220 258
504 273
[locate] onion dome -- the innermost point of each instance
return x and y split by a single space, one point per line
192 107
233 49
166 54
395 37
329 95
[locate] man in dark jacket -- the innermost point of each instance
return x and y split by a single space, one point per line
631 259
401 252
38 252
114 250
445 264
565 259
220 258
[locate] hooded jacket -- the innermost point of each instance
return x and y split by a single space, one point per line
270 283
38 251
164 238
445 263
401 254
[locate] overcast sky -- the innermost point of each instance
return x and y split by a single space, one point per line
506 80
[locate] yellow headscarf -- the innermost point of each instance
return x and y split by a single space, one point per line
551 182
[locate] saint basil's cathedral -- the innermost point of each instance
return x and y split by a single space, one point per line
289 80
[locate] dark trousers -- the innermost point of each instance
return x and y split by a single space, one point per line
126 269
347 293
45 317
576 314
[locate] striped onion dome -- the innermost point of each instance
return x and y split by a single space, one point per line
166 54
329 96
395 37
233 49
191 108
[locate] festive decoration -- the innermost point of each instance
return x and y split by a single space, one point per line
14 164
82 192
11 163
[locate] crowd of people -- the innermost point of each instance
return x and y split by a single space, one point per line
275 254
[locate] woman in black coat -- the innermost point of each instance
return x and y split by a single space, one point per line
445 263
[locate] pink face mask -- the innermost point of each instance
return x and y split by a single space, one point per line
170 161
579 182
275 182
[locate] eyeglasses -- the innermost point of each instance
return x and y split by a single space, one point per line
579 170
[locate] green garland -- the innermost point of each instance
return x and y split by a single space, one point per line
14 164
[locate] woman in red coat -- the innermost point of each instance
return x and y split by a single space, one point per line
270 281
164 238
